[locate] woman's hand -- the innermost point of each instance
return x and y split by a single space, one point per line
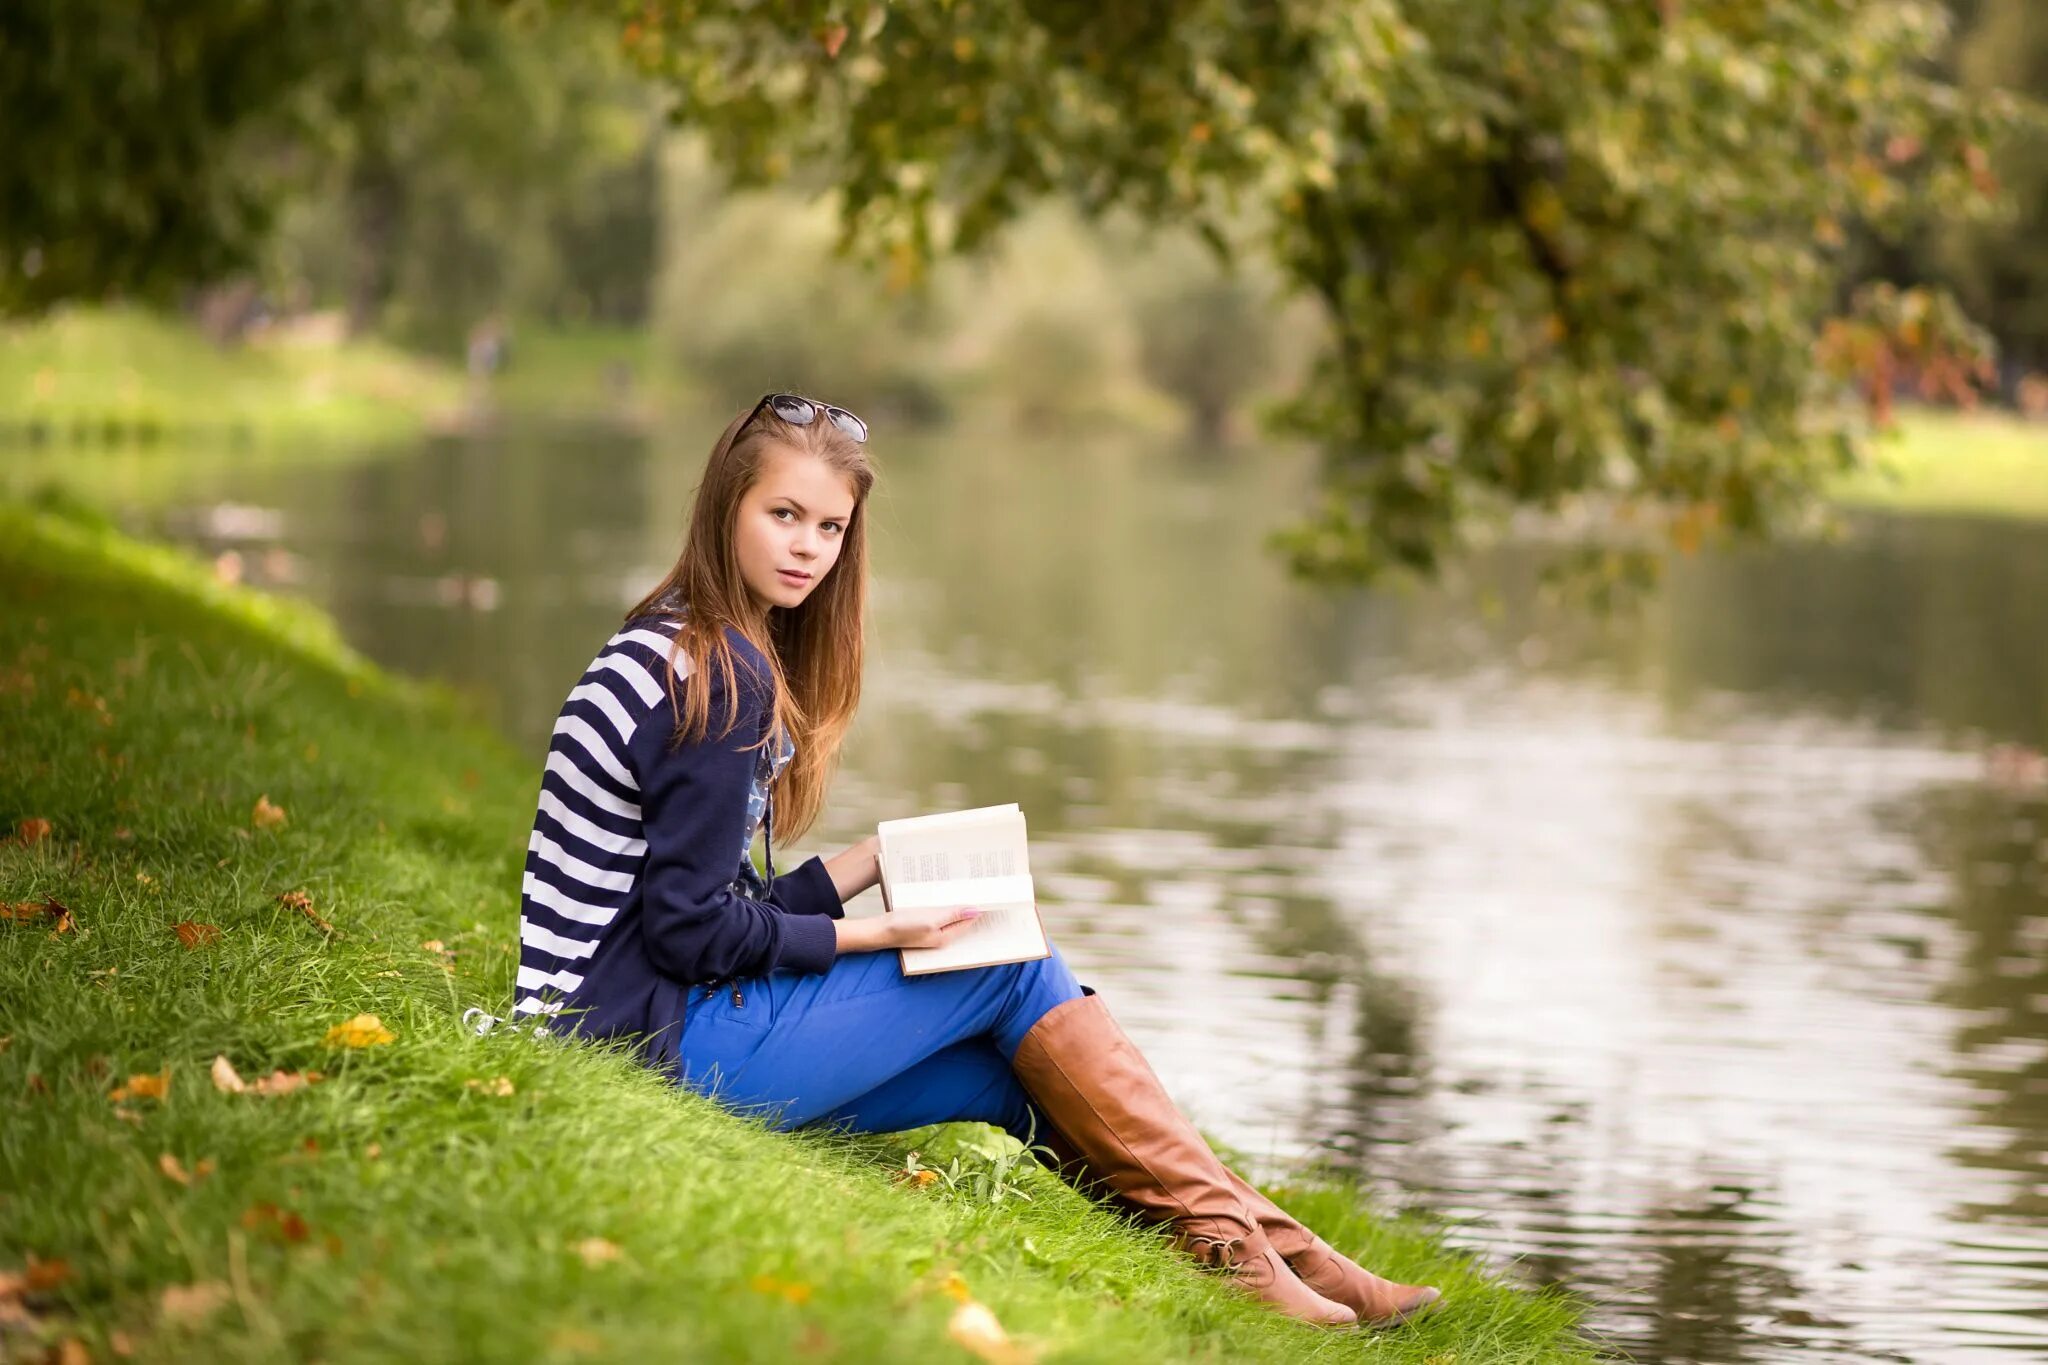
904 929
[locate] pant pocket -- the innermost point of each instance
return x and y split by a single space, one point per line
720 1037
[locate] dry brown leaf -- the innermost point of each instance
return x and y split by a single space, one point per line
40 1276
144 1087
284 1082
60 918
187 1304
6 1041
70 1351
434 945
365 1030
33 830
596 1251
194 935
500 1086
286 1223
225 1078
265 815
974 1328
120 1343
36 1084
303 903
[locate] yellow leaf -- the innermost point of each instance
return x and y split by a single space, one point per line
144 1087
265 815
194 935
500 1086
956 1287
365 1030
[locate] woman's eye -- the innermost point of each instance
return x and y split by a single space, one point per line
834 527
782 512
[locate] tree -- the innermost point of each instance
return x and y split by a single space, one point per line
1571 255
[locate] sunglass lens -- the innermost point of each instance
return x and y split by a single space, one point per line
848 423
797 412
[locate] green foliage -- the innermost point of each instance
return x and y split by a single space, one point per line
1999 267
1567 253
147 150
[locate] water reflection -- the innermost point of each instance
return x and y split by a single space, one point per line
1697 960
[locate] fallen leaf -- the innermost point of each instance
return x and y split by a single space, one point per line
33 830
373 1151
795 1291
70 1351
186 1304
175 1169
303 903
225 1078
36 1084
365 1030
40 1276
955 1288
6 1041
596 1251
265 815
284 1082
194 935
434 945
120 1343
144 1087
265 1216
127 1116
500 1086
974 1328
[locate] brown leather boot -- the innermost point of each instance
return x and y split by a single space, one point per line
1096 1088
1378 1302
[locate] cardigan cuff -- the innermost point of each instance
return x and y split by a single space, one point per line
810 943
808 891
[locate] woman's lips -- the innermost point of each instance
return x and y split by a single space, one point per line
793 576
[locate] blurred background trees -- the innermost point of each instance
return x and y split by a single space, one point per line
1599 260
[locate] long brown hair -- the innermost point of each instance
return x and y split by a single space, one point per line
813 650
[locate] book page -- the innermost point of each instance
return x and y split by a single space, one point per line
965 858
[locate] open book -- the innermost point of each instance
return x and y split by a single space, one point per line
965 857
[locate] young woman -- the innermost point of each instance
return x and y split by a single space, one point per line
720 705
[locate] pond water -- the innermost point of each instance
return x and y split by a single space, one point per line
1695 959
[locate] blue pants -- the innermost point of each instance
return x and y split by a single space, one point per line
865 1048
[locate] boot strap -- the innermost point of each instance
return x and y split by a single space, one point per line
1216 1253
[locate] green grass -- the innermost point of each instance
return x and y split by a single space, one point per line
1981 463
114 376
394 1211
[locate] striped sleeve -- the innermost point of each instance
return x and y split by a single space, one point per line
587 851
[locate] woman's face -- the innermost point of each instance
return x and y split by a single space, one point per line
790 526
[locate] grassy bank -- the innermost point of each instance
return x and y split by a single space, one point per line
1970 463
197 752
124 376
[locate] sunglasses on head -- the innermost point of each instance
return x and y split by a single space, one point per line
799 411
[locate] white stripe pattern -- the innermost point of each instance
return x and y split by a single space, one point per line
561 945
627 667
533 1004
568 907
578 729
552 852
660 644
534 979
600 696
589 831
560 765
